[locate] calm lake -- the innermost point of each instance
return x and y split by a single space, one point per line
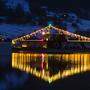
23 70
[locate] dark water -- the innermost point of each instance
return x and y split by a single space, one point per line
42 71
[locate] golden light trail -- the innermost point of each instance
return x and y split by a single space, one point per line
39 64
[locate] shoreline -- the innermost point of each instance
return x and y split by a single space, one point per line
8 48
53 51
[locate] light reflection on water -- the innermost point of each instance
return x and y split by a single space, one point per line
51 67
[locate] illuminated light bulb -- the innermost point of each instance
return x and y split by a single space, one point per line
50 25
13 42
46 39
43 33
49 80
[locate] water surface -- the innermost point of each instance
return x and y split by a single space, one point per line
51 67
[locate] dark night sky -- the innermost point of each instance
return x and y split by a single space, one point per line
63 3
81 7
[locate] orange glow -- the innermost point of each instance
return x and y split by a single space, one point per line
39 64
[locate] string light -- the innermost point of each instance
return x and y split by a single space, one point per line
50 27
43 33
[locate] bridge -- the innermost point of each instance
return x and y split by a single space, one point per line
71 37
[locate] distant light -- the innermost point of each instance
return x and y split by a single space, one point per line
64 15
43 33
13 42
46 39
23 45
50 24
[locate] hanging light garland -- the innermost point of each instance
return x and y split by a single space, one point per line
48 28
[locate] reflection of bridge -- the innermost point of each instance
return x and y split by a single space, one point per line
30 63
71 37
